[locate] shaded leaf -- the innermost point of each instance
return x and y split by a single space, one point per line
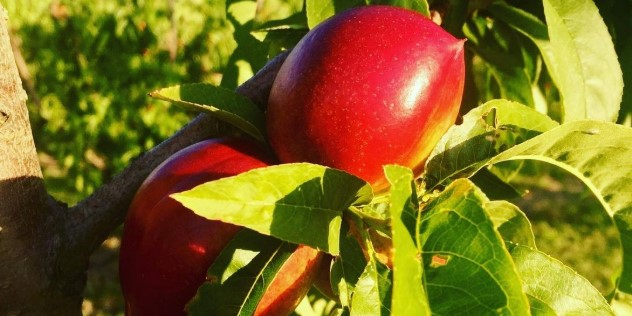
494 187
503 55
222 103
485 132
466 264
588 73
300 203
320 10
553 288
512 224
240 275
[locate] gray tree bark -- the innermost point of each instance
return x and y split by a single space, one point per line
44 245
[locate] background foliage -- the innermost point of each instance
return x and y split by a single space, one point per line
91 64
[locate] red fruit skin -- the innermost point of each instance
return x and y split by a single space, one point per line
370 86
166 249
291 283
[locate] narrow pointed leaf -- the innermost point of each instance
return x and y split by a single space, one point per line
372 294
499 48
555 289
300 203
578 52
222 103
240 276
511 223
530 26
588 72
466 264
485 132
494 187
409 295
591 150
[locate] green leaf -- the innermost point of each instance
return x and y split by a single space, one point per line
222 103
320 10
372 294
251 54
275 15
486 131
553 288
502 52
420 6
588 73
579 55
238 278
455 16
494 187
409 295
530 26
512 224
598 153
578 52
347 267
466 264
300 203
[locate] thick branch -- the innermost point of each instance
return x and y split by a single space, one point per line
94 218
27 218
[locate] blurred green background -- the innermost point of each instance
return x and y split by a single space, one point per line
88 66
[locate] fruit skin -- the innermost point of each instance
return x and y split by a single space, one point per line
167 249
370 86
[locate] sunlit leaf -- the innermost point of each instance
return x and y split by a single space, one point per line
553 288
320 10
598 153
512 224
466 264
579 54
222 103
588 72
486 131
251 53
420 6
409 295
372 294
300 203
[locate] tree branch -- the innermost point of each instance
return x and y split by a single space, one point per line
90 221
28 221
